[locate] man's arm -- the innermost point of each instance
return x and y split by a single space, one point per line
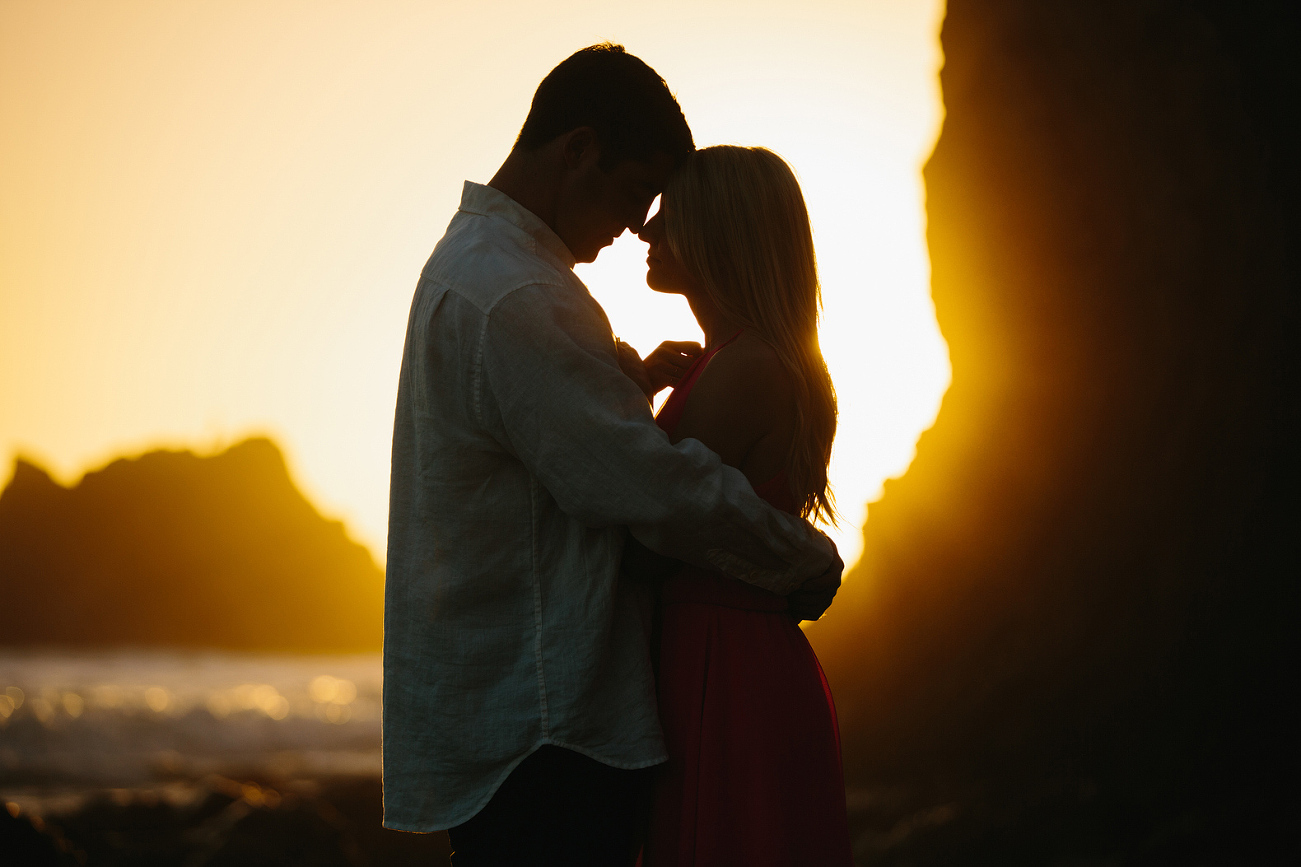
813 598
551 392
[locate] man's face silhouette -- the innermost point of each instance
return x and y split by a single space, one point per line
595 206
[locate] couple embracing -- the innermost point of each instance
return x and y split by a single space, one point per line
592 645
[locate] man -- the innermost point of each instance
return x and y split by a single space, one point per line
519 708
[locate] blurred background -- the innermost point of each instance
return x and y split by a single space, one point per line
1058 244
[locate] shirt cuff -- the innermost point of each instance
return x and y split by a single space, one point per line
782 583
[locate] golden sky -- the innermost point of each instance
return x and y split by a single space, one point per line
213 214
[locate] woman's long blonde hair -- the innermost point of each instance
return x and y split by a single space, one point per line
736 220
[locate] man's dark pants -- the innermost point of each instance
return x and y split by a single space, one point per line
558 807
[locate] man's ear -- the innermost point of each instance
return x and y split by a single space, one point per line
581 146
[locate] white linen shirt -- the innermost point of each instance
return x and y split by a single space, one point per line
520 455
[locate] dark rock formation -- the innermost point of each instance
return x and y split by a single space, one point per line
1077 611
174 549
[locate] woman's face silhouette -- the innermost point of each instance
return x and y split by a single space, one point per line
664 273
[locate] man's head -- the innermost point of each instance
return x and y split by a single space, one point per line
622 99
601 139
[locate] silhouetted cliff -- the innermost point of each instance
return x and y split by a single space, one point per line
174 549
1077 611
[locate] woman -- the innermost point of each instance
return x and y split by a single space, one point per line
754 774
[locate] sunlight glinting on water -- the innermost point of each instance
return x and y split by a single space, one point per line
132 717
51 697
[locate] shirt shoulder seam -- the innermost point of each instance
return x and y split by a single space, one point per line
481 340
526 284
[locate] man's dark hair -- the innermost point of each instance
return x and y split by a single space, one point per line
618 95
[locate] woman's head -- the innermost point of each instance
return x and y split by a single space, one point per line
735 223
735 219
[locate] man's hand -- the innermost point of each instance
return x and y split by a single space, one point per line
633 367
670 360
815 595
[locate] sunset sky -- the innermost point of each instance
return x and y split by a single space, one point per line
213 214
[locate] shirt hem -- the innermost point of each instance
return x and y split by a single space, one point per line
461 818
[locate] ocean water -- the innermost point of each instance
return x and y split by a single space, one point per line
78 722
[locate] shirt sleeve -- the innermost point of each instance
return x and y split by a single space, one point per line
550 391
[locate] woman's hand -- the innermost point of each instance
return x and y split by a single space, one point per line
662 368
670 360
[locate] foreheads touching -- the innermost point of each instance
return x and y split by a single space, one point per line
601 139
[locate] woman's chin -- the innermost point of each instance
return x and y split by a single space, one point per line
660 286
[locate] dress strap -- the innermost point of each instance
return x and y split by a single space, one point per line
713 351
672 409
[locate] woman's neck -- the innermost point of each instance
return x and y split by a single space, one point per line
717 325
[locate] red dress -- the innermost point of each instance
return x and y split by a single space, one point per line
754 774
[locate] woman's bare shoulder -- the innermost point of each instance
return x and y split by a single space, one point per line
750 366
747 383
742 398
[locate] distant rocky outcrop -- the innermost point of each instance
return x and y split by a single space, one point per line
1075 620
175 549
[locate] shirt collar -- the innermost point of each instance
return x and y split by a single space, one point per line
484 200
